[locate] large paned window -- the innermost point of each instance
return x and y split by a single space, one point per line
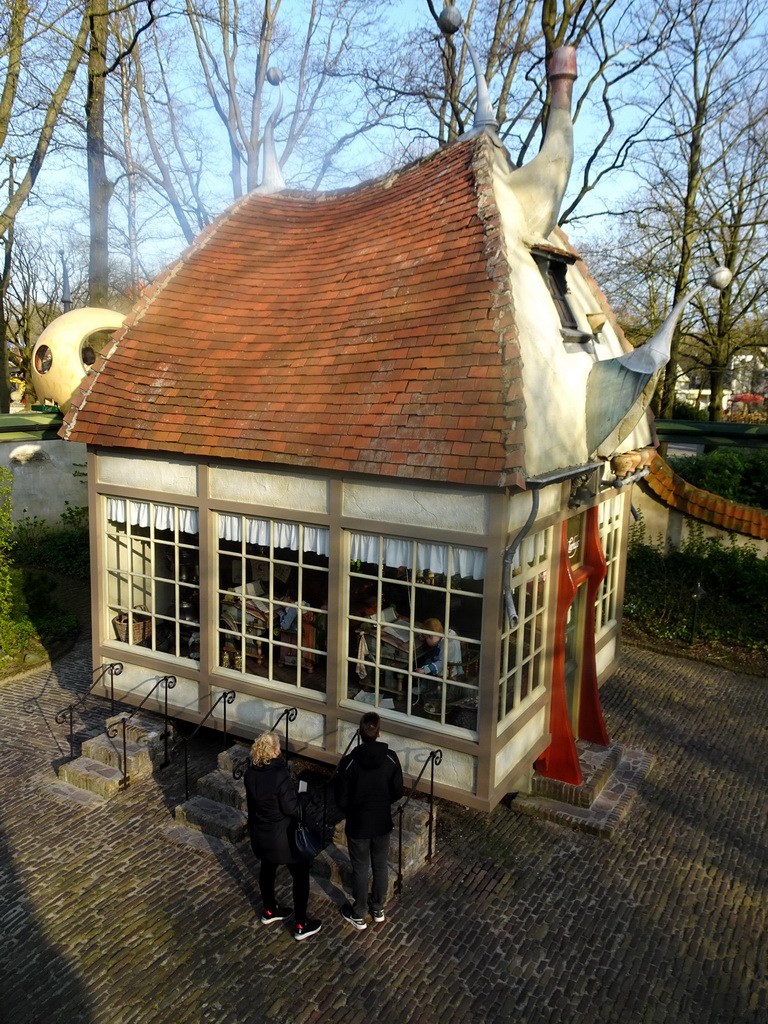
524 640
273 600
610 517
153 576
415 614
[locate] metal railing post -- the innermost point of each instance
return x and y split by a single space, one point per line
435 757
115 668
355 736
112 733
170 682
290 715
228 697
59 719
399 880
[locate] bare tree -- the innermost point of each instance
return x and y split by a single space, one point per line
734 201
32 297
39 57
427 81
711 62
235 45
638 262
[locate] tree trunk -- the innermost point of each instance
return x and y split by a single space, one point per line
5 271
99 187
716 386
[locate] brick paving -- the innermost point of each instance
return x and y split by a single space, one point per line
103 920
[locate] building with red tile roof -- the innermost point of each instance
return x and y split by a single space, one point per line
352 451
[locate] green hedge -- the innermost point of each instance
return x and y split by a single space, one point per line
658 595
737 474
61 549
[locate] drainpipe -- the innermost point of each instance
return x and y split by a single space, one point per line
535 484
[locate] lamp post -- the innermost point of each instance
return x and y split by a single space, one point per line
696 595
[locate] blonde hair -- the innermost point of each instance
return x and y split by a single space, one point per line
433 625
265 748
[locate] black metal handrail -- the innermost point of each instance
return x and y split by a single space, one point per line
290 715
112 730
228 697
32 704
114 668
355 736
434 758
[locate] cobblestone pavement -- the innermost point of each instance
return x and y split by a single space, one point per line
104 921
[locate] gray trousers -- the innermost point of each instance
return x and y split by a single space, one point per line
362 854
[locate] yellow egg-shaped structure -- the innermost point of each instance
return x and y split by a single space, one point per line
62 355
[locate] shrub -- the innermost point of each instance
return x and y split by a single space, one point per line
733 473
684 411
660 584
60 549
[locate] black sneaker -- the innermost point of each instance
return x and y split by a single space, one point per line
378 916
348 913
303 931
278 914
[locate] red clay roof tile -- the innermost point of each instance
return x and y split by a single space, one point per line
674 491
350 330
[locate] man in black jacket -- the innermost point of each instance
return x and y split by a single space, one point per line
369 780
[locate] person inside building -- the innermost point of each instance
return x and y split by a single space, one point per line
367 783
442 660
273 811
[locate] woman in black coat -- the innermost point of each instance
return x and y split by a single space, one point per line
273 810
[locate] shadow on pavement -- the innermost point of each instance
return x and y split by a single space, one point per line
58 993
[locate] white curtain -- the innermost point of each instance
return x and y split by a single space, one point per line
140 515
467 562
284 535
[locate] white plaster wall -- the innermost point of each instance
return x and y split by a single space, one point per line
520 507
136 682
440 510
274 489
606 655
42 485
147 474
520 744
258 714
457 770
554 379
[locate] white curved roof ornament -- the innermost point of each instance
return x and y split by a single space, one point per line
450 21
66 294
273 176
62 355
541 183
615 386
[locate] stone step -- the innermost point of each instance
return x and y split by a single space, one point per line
221 786
214 818
415 846
93 776
608 808
72 794
333 864
415 816
237 755
110 751
597 765
144 728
